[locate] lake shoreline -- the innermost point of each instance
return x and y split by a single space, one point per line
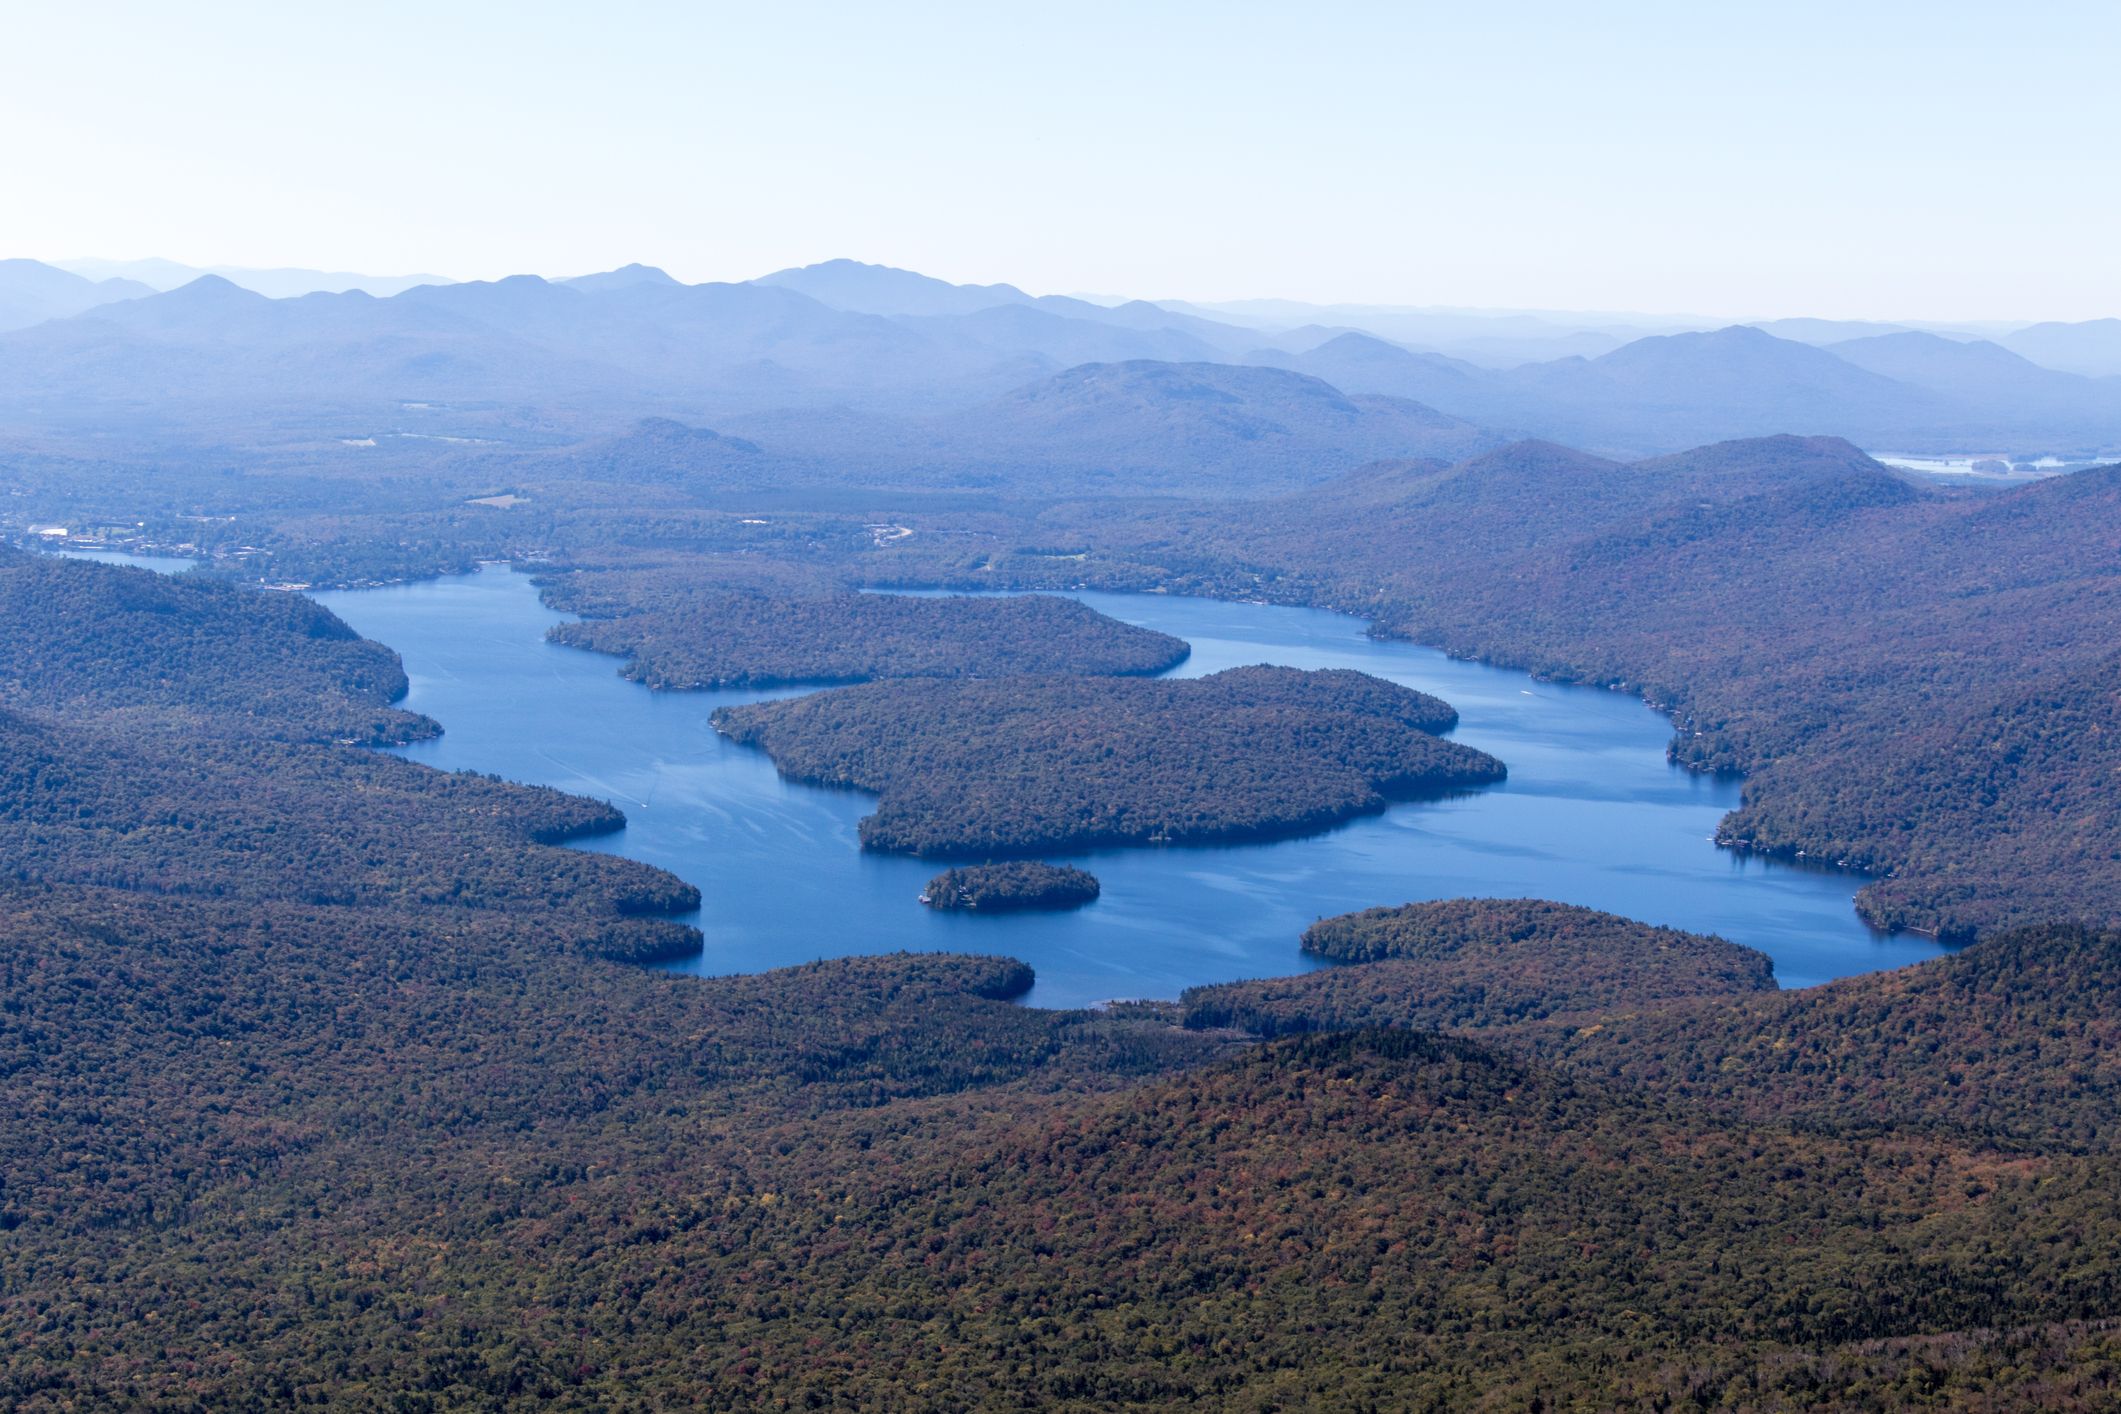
1594 813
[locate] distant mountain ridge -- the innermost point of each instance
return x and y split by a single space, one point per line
883 289
886 358
32 292
1126 428
2092 348
278 283
1247 431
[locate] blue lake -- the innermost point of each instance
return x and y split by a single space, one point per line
1592 812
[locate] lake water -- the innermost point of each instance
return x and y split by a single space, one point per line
1592 813
160 564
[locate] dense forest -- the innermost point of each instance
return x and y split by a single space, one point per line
145 764
678 633
276 1138
125 644
1479 962
1011 886
1028 764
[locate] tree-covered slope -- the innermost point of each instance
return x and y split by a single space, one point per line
2010 1042
82 637
1477 963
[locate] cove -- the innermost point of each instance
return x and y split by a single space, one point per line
1592 812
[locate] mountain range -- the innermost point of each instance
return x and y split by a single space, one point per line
914 370
32 292
280 282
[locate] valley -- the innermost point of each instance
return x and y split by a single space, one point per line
1147 709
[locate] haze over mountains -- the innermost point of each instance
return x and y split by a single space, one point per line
32 292
279 282
922 376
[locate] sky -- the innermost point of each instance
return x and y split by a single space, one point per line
1851 160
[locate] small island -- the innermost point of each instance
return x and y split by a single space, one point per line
1011 887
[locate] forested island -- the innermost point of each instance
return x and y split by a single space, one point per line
1011 886
677 633
1029 764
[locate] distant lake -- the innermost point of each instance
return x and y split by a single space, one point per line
1592 813
160 564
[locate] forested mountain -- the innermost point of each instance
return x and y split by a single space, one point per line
1655 394
282 282
1902 390
1194 429
1991 386
1360 363
881 289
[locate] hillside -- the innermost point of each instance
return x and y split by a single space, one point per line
1992 386
1470 963
2009 1043
1195 428
79 637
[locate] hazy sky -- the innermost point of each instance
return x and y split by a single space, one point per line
1885 160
